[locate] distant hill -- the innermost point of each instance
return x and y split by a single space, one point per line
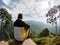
39 26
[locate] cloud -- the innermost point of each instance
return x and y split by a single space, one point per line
24 6
35 8
7 2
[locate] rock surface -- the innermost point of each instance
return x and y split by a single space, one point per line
26 42
29 42
4 43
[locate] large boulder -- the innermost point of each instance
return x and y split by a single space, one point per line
4 43
29 42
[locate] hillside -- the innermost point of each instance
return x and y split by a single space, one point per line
39 26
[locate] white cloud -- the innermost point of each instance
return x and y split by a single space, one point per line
7 2
30 6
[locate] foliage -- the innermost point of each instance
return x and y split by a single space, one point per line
44 38
44 33
32 34
43 41
10 41
8 26
4 12
52 16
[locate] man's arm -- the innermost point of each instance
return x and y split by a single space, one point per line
25 25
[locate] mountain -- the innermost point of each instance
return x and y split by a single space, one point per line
39 26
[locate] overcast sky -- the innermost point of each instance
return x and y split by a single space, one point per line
31 9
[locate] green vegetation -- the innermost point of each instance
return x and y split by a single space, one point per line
45 38
10 41
33 33
8 25
44 33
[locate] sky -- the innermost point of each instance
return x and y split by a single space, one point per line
31 9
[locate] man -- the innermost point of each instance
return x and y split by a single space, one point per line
20 23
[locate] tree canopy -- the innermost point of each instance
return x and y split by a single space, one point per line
8 24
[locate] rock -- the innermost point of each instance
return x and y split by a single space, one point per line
29 42
51 36
4 43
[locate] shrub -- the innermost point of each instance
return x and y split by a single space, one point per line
43 41
44 33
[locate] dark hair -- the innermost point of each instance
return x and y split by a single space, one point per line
20 16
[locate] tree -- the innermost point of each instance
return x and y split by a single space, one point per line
44 33
5 18
52 16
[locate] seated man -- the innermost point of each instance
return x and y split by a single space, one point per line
22 24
